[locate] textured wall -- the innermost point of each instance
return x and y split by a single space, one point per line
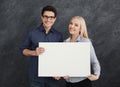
17 17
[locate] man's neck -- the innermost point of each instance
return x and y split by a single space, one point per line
47 30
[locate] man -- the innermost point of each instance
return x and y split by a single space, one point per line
44 33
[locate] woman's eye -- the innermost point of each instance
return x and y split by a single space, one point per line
76 25
70 23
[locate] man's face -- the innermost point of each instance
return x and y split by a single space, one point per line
48 19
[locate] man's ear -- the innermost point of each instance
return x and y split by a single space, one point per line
55 18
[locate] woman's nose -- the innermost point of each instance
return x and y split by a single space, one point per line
72 26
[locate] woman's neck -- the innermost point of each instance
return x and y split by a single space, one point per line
73 38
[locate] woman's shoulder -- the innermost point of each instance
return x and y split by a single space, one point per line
82 39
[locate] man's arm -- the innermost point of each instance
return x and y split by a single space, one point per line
38 51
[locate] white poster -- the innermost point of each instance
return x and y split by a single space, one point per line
60 59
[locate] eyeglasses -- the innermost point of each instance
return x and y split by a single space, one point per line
48 17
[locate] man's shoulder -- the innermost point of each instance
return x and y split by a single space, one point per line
35 29
56 31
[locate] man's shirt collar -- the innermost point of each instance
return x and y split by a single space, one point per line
42 29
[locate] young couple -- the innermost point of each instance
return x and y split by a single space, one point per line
46 33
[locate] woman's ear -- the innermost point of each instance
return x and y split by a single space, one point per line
80 31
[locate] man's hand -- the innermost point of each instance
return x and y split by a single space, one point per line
39 50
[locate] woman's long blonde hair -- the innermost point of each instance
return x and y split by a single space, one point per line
83 28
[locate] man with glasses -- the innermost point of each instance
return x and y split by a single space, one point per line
44 33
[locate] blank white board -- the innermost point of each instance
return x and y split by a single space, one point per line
61 59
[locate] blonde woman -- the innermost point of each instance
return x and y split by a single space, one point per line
78 33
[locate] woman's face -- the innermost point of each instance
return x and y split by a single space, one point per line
74 26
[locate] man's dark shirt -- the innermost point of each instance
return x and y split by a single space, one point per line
31 42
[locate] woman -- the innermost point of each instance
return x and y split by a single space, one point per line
78 33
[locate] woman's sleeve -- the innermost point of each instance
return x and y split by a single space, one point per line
94 61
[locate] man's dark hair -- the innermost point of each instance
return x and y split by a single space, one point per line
49 8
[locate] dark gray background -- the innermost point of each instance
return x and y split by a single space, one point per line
17 17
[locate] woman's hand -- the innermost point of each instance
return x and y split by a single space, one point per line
93 77
57 77
66 77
